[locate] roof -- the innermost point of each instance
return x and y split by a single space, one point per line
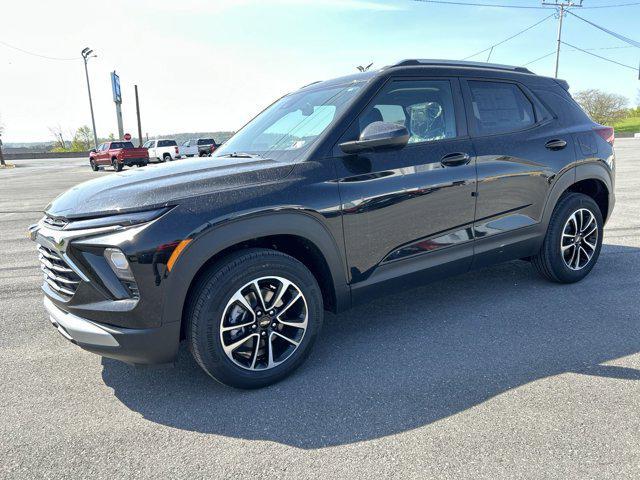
418 62
459 63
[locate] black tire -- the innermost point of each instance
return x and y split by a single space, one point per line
117 166
208 303
94 167
166 157
550 261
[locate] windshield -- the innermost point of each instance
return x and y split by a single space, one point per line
291 125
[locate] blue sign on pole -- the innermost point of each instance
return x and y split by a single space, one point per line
115 87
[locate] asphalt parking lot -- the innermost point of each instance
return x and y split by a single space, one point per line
492 374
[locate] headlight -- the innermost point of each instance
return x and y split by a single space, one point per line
124 219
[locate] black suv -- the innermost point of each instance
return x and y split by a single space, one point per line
335 193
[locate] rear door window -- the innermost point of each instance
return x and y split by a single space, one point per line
205 141
167 143
499 107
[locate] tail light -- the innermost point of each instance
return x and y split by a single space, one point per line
606 133
176 148
212 149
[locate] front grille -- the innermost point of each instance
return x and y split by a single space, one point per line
57 223
57 273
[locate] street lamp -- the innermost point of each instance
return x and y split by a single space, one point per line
86 54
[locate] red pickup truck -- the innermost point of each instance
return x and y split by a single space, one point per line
118 154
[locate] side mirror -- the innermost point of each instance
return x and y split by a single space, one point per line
378 135
93 150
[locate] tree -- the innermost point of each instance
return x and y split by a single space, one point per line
59 144
602 107
82 139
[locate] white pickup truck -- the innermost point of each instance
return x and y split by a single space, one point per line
162 150
201 147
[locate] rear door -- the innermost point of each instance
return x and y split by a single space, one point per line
402 208
513 137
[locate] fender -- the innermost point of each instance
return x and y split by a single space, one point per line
223 234
593 169
599 170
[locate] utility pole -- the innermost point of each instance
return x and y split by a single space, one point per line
561 6
138 114
86 54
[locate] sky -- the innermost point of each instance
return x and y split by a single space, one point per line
212 65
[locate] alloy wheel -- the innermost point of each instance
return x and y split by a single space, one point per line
263 323
579 239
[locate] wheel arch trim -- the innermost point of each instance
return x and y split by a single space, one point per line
592 170
214 238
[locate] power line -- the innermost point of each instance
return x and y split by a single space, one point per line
617 5
610 32
599 56
539 58
36 54
498 5
511 37
610 48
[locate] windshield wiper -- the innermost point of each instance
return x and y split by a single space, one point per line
241 155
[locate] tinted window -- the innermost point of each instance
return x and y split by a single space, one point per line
205 141
500 107
425 107
122 145
167 143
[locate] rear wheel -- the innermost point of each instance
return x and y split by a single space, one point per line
573 241
166 157
117 166
253 318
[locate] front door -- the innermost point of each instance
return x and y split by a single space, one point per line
402 209
102 155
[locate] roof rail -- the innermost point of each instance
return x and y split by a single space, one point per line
459 63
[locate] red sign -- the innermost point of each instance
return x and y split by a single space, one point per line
127 136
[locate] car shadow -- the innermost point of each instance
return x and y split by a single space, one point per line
410 359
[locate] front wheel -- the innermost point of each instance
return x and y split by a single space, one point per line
94 167
573 241
253 318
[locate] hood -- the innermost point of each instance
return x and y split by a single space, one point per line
157 185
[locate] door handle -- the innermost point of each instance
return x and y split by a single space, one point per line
455 159
555 144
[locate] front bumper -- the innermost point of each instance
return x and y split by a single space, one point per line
136 346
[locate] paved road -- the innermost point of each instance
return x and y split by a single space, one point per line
493 374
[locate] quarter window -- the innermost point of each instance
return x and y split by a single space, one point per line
425 107
500 107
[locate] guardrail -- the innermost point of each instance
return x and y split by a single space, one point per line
38 155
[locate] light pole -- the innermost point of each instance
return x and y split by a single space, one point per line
86 54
